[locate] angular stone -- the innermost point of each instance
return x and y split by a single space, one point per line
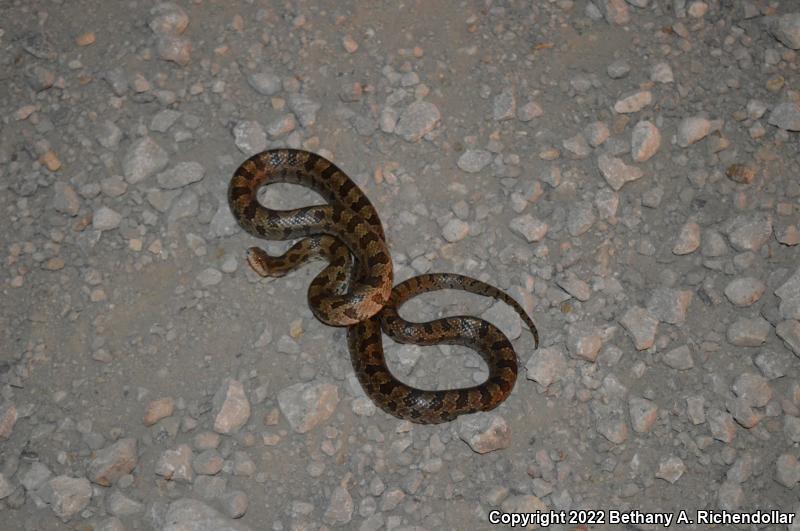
645 141
578 146
748 332
65 199
584 341
529 111
121 505
113 462
265 83
722 426
791 427
688 239
162 121
786 116
670 305
597 133
679 358
340 508
772 364
186 514
304 108
504 105
695 409
36 476
417 120
6 487
484 432
744 291
787 470
530 228
662 73
714 244
546 365
750 232
671 469
643 414
742 412
105 219
182 174
575 287
66 495
693 129
581 218
176 464
615 11
282 126
175 49
613 428
168 19
789 293
158 409
474 160
144 158
742 469
787 30
231 407
640 324
789 331
634 102
616 172
618 69
236 503
8 418
730 496
306 405
208 463
249 137
455 230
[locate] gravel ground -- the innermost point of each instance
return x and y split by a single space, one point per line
628 170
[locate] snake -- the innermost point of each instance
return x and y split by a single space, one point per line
355 290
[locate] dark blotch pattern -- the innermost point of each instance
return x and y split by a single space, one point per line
355 289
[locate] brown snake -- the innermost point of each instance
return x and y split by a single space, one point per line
355 289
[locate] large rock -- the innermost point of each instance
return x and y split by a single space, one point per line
113 462
187 514
787 30
66 495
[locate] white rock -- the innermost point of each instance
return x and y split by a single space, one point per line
417 120
645 141
249 137
688 239
634 102
787 30
530 228
106 219
616 172
692 129
66 495
144 158
744 291
474 160
662 73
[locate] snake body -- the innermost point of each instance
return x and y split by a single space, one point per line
355 289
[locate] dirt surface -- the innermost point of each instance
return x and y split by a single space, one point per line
628 171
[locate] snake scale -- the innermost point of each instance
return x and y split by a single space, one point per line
355 288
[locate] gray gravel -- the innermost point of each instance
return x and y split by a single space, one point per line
626 169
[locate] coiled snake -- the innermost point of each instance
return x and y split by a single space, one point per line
355 289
